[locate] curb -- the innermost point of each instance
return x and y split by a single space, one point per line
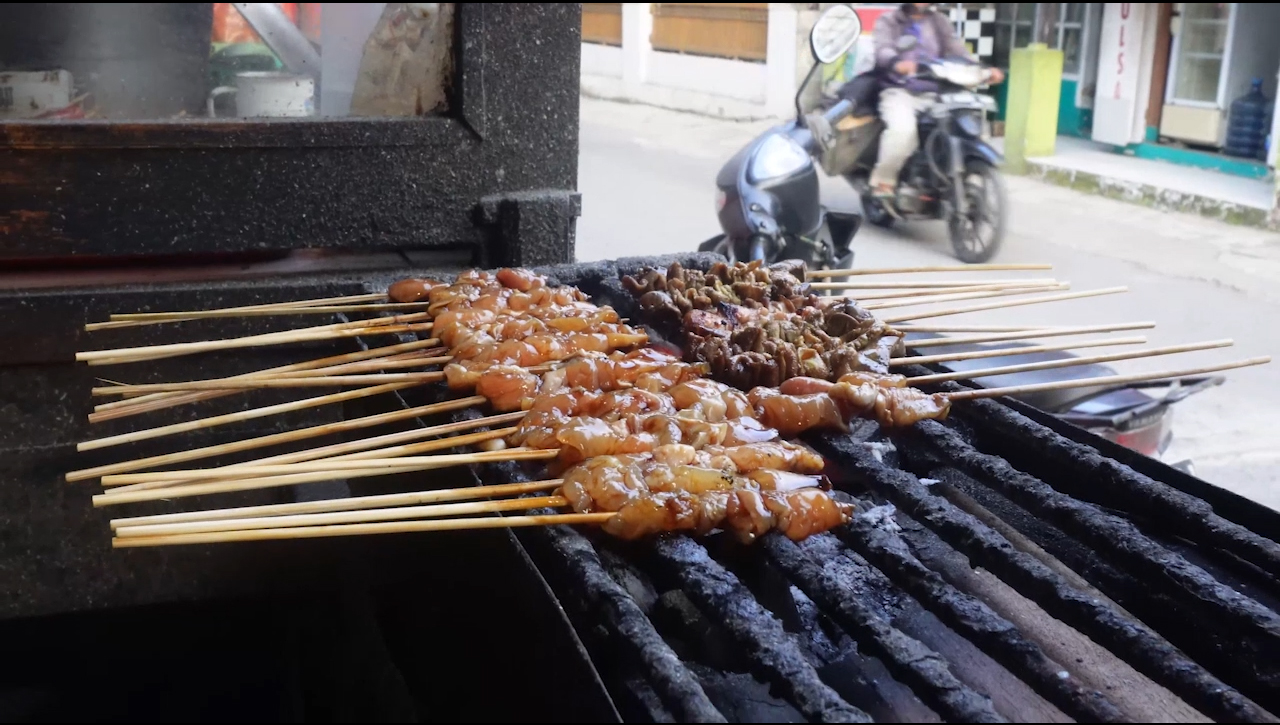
1150 196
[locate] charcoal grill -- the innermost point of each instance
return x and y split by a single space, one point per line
1005 566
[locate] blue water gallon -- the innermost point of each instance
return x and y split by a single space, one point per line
1249 124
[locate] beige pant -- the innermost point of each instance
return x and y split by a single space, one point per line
899 140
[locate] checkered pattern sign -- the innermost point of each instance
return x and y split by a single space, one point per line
978 29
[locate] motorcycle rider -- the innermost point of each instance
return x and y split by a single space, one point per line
902 95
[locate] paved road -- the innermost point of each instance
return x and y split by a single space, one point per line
647 180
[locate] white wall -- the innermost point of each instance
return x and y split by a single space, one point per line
700 84
601 60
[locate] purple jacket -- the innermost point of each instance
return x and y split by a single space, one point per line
892 26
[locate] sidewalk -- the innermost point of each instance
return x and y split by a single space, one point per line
1094 168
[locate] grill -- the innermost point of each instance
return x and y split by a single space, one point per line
1000 571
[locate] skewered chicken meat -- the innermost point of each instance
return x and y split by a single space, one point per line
652 497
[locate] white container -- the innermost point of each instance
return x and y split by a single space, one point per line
345 28
270 94
29 94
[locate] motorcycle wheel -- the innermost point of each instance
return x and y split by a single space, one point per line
987 211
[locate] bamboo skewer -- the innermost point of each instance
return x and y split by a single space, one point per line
1013 351
300 379
239 416
953 285
334 471
1108 380
374 331
914 293
1007 303
346 517
159 401
322 381
355 450
231 311
377 364
1069 362
389 527
317 310
929 300
816 273
178 349
184 347
386 500
389 463
1029 334
278 438
927 327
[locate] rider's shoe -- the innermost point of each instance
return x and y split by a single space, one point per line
888 199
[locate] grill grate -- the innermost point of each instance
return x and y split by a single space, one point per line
877 622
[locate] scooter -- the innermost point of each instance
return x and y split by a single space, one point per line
953 173
1126 415
768 201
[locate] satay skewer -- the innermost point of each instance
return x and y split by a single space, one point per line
1107 380
269 312
909 301
322 381
1028 334
239 416
347 470
943 291
1001 305
346 517
386 352
283 437
935 327
1012 351
954 285
386 500
1069 362
388 527
818 273
377 326
391 445
115 323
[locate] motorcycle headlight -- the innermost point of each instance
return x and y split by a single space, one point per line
777 156
969 123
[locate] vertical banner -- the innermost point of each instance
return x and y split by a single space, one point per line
1118 101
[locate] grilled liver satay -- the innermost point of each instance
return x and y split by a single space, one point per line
758 325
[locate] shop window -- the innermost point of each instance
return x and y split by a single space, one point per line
1016 25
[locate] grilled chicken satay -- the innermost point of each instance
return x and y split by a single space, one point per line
746 513
413 289
888 405
651 496
509 387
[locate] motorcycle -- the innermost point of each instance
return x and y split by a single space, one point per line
953 173
768 201
1126 415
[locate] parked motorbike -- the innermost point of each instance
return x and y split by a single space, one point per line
1128 415
953 174
768 201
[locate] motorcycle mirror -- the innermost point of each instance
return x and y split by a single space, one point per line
834 33
906 43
